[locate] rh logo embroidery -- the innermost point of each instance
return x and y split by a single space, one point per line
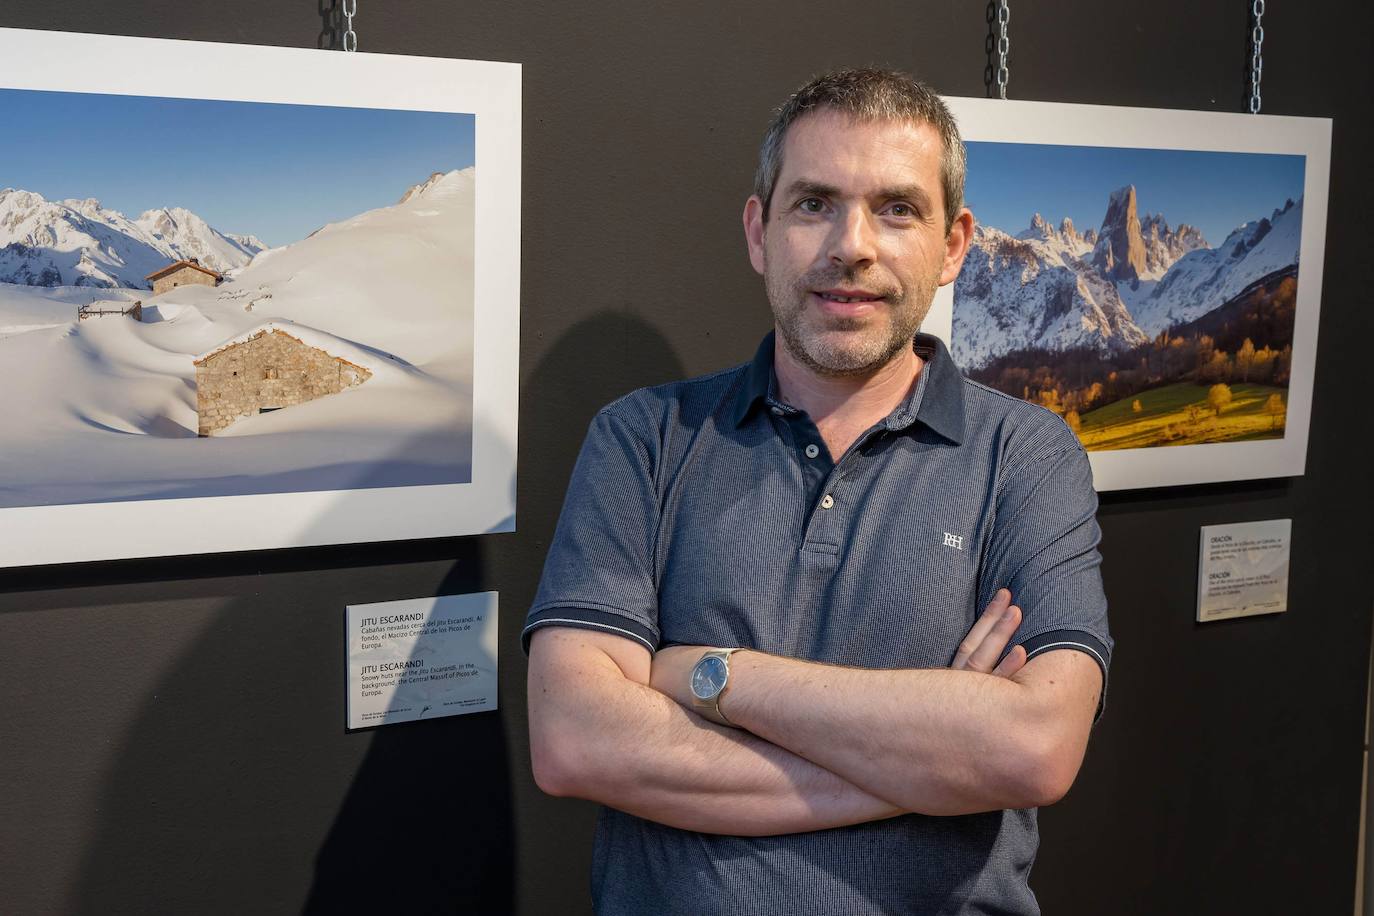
954 540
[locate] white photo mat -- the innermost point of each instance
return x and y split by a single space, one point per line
1053 123
213 71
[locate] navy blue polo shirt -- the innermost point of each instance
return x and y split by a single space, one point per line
708 512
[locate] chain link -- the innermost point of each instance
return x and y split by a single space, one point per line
1256 55
350 38
1004 45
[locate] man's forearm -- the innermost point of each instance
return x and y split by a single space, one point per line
628 746
934 741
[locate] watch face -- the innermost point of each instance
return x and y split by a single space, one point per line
708 677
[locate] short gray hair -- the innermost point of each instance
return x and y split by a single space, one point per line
868 94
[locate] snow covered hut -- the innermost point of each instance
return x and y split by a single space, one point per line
270 366
180 274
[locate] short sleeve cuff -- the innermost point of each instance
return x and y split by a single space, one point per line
1073 639
588 619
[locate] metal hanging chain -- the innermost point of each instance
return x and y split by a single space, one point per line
1256 56
350 39
1004 45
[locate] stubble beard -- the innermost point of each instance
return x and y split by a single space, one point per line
863 345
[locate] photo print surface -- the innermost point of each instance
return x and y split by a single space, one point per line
253 297
191 306
1146 296
1152 277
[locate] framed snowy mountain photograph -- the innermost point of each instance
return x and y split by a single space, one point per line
1152 277
253 297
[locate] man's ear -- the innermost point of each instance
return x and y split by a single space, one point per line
957 243
753 231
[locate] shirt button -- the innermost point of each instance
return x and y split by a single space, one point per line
827 501
777 411
812 451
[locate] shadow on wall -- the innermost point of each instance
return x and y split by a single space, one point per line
597 360
234 767
330 37
427 819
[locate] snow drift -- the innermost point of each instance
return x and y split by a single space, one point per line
104 409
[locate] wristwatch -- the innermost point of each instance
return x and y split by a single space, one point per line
710 679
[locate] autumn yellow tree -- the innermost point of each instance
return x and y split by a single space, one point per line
1275 408
1135 406
1049 399
1218 370
1245 359
1219 397
1283 365
1074 420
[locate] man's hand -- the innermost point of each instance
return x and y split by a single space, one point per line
978 651
989 636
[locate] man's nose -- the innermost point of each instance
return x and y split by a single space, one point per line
854 239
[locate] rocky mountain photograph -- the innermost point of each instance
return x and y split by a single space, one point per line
1148 297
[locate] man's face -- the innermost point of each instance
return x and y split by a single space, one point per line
855 244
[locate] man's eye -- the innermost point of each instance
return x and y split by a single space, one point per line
902 210
811 205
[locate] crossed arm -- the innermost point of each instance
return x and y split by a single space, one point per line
822 746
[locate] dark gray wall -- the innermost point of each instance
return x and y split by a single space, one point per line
170 733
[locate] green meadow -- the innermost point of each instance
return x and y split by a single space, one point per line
1180 414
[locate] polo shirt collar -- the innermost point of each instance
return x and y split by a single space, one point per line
936 402
757 386
942 406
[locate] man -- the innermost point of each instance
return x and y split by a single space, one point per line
838 511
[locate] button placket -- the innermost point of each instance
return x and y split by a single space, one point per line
827 522
824 518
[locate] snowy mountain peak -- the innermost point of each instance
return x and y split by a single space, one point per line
1054 289
1131 248
419 189
1120 251
1164 246
90 207
1121 197
1060 245
250 242
190 236
1039 229
77 242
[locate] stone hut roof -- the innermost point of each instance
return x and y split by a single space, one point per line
188 262
337 347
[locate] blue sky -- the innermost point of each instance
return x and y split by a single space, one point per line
276 171
1214 191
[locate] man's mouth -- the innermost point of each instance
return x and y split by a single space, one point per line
848 295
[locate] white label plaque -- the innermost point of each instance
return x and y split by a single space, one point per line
421 658
1243 569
